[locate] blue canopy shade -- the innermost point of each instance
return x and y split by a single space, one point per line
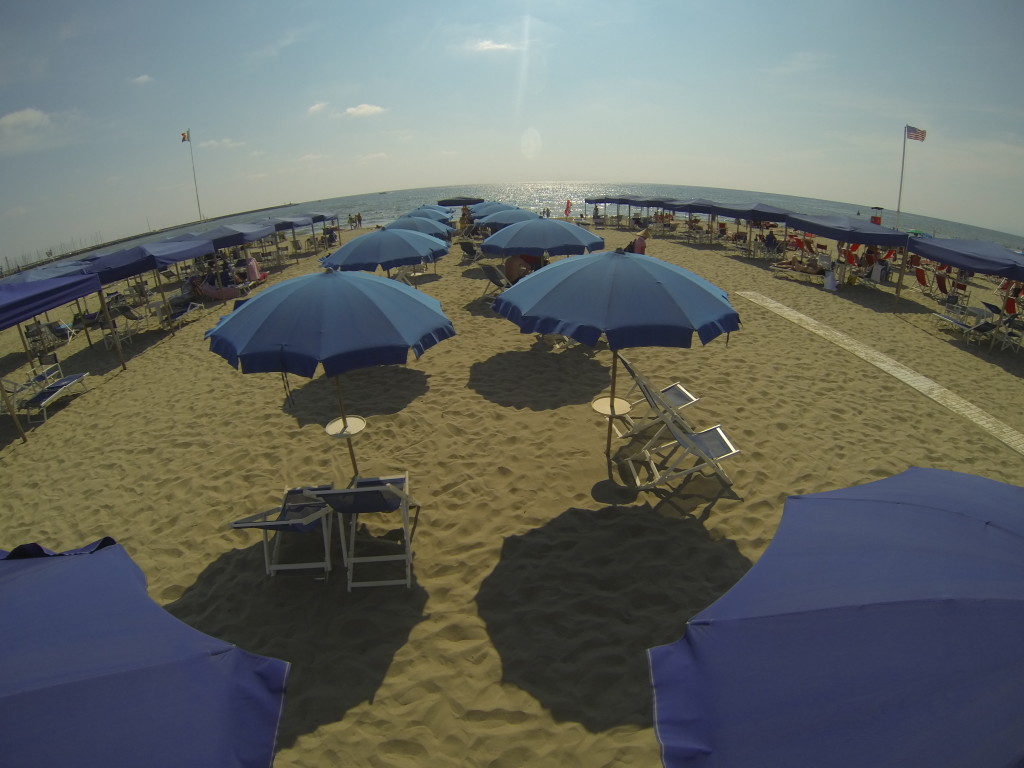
848 229
881 627
229 235
47 272
127 262
386 248
754 212
21 301
343 320
632 299
973 255
535 237
95 673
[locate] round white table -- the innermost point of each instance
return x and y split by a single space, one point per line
347 427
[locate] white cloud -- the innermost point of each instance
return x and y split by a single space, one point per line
221 144
16 212
489 45
257 153
320 106
364 110
313 158
372 157
31 129
142 79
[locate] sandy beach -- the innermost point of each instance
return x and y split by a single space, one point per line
538 584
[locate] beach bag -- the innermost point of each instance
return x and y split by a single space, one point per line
630 246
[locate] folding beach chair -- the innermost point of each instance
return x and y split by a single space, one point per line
366 496
37 404
471 251
298 513
685 454
497 282
661 404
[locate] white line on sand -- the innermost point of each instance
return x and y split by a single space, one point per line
922 384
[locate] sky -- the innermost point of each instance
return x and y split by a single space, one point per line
313 99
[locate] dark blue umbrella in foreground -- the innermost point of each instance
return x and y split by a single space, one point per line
340 320
880 627
94 673
386 248
539 236
418 224
631 299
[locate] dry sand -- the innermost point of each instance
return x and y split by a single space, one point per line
538 584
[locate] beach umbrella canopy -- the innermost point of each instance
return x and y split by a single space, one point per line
499 219
480 210
341 320
95 673
880 627
535 237
458 202
419 224
631 299
433 214
386 248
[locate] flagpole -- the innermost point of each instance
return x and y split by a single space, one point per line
196 183
902 165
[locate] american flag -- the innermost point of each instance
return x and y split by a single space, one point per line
915 134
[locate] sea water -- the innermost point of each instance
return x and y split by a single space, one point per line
379 208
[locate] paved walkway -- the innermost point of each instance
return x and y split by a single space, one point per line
922 384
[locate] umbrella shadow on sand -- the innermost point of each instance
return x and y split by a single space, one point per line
377 391
573 606
340 644
539 380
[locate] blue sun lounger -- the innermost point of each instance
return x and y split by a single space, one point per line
38 403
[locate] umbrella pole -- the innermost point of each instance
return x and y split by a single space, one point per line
611 408
341 407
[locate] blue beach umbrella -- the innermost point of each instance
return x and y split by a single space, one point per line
418 224
630 299
480 210
340 320
500 219
94 672
881 627
433 214
386 248
536 237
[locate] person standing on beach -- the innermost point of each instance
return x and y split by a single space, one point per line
359 221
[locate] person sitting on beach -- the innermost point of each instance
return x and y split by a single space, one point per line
795 264
519 266
640 241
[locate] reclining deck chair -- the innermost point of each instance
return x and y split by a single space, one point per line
675 397
369 495
471 251
298 513
497 282
664 463
38 403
